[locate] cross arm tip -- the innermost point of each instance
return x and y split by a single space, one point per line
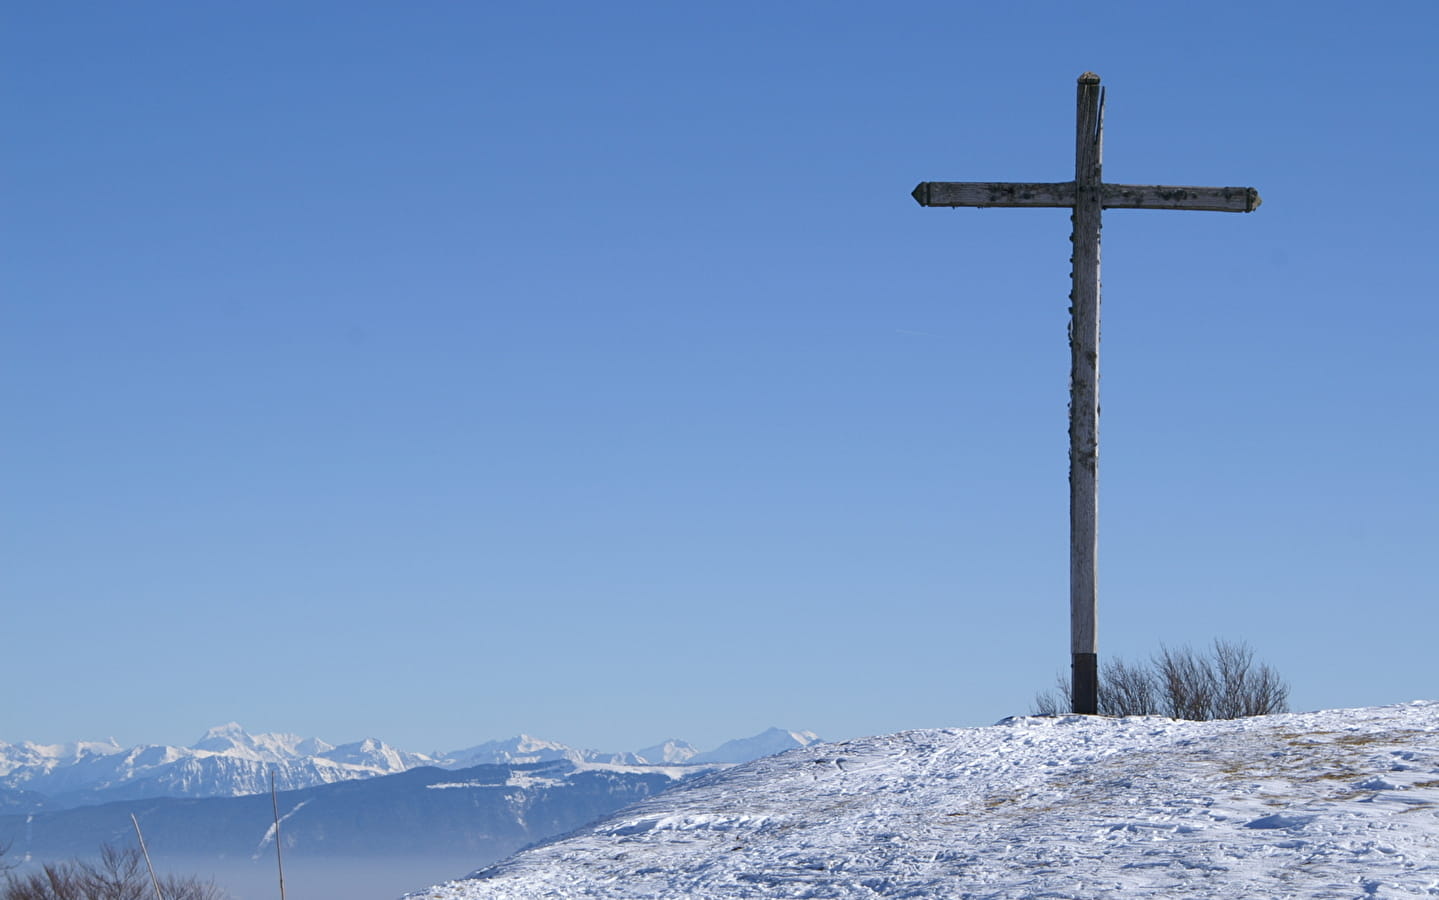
921 193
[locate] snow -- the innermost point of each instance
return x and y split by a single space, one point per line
1342 803
556 775
233 740
766 743
270 832
27 755
520 749
229 761
673 750
677 772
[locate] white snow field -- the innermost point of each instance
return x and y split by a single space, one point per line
1337 804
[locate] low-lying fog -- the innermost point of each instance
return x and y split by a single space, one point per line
328 878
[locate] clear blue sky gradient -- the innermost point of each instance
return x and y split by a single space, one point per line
440 371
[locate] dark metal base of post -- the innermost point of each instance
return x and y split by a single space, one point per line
1086 684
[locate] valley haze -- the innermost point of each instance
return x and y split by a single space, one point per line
401 818
1332 803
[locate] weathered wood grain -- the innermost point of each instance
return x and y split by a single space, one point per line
1084 395
1061 194
1212 199
990 193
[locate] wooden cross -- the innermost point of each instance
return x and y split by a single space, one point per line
1087 195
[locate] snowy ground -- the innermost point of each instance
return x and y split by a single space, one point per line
1334 804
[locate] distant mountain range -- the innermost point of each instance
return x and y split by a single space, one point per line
230 762
209 804
483 812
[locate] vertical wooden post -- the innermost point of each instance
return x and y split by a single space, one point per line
1084 397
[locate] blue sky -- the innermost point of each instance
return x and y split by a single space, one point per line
441 371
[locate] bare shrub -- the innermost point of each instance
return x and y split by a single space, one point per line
1187 684
1226 684
1243 688
1124 690
119 874
1127 690
1053 703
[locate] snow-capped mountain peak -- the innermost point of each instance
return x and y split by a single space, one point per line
230 731
375 754
233 740
230 761
45 757
669 752
226 761
522 748
766 743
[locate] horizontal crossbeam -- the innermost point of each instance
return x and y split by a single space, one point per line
1061 194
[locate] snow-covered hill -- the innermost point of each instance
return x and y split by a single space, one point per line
1331 804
